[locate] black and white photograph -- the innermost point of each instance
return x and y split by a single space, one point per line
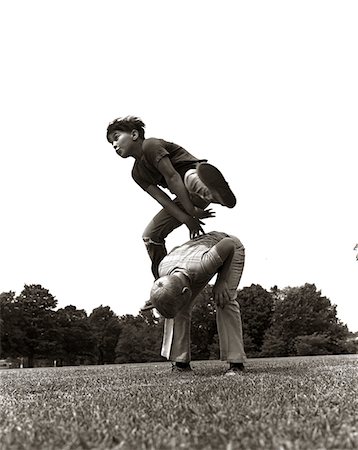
179 232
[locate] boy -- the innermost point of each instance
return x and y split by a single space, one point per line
161 164
184 272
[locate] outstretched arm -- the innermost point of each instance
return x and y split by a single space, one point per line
221 293
191 215
176 185
194 224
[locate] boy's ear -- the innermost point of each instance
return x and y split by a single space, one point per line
135 135
185 290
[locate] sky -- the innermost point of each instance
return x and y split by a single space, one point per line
266 91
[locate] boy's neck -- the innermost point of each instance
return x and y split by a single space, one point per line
137 149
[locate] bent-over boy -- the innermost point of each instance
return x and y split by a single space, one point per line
183 273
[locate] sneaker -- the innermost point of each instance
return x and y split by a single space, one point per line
216 183
235 369
178 369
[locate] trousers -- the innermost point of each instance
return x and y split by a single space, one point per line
163 223
176 338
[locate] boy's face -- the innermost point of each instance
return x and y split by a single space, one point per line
122 142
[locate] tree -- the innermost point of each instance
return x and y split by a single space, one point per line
302 311
34 322
11 334
312 344
203 325
256 305
76 341
140 339
106 328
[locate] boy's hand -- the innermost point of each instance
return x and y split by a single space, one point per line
221 293
204 213
194 225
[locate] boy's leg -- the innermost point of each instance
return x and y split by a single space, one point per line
228 319
154 237
176 337
198 191
207 182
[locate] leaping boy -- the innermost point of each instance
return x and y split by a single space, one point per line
161 164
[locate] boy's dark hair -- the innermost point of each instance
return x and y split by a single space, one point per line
127 123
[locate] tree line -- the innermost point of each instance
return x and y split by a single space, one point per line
280 322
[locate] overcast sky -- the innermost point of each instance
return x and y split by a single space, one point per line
267 91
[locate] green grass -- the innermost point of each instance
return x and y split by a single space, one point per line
278 403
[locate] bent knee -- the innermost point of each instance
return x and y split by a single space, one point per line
149 241
146 240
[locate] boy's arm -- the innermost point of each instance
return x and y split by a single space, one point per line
221 293
176 185
194 224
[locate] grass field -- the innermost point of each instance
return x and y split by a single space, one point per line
278 403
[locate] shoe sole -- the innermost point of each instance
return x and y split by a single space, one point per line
216 183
